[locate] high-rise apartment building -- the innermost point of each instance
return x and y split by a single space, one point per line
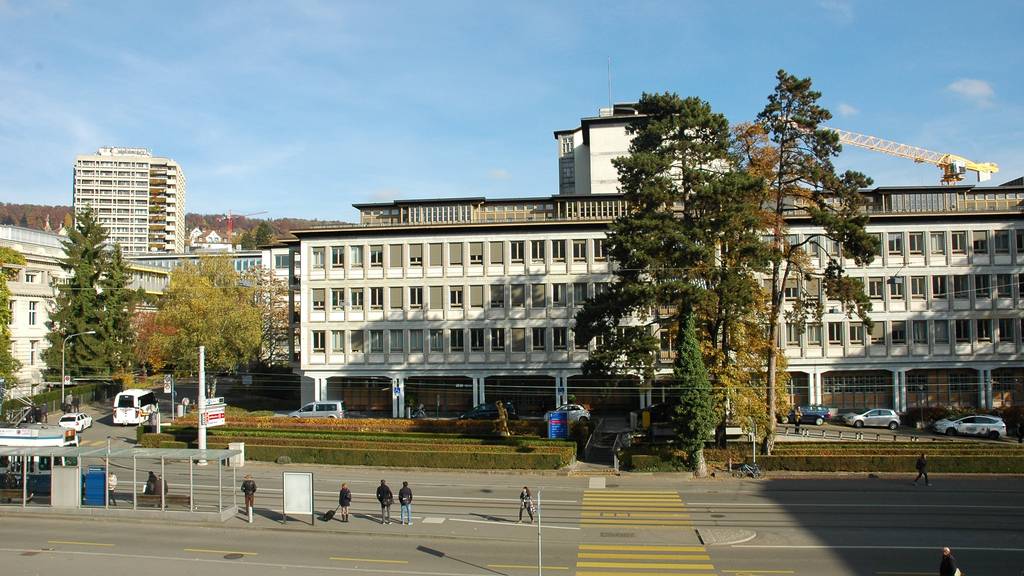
139 198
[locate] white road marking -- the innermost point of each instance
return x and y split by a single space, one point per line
546 526
692 505
433 520
840 547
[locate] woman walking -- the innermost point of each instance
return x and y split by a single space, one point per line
525 503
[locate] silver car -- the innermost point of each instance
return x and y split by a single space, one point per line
876 417
978 425
322 409
574 413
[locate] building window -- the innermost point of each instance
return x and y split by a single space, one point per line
337 298
898 332
941 328
915 241
319 341
476 339
436 255
456 340
415 297
878 332
917 287
813 334
938 242
376 341
436 340
377 298
436 298
962 330
356 341
337 340
497 295
497 252
600 253
939 288
394 256
538 295
982 286
377 256
476 296
895 243
579 293
356 256
356 298
317 300
416 341
1004 286
920 331
959 242
416 255
791 290
560 337
395 297
538 339
281 261
875 287
558 295
792 334
455 296
835 333
497 339
896 287
1001 241
396 341
519 339
518 295
337 256
558 250
1006 330
454 254
318 258
33 308
979 241
579 250
1019 240
983 329
32 349
537 251
856 334
476 253
516 249
961 286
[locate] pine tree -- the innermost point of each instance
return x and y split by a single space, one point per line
9 365
117 331
696 414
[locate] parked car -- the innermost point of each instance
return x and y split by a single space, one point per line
813 414
75 421
489 411
875 417
574 412
323 409
977 425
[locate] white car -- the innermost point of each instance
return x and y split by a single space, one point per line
574 412
876 417
977 425
75 421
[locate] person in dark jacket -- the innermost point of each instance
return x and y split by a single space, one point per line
405 503
948 565
249 490
525 503
344 501
922 470
150 488
1020 432
386 499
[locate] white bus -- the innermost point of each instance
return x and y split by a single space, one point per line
133 406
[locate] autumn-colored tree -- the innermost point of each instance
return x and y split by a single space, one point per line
9 365
270 295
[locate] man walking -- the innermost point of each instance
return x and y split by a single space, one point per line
405 501
797 416
1020 432
525 503
344 501
922 470
111 486
249 490
948 565
386 499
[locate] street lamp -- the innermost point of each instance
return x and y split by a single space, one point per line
62 346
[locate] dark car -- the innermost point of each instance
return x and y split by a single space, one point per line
489 411
816 415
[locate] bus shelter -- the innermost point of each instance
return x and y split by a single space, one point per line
190 482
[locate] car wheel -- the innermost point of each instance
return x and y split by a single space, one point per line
333 416
818 421
858 424
950 431
893 425
994 434
584 420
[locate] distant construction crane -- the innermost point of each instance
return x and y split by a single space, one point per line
230 217
953 167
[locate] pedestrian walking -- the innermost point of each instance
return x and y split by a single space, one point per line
67 402
948 565
798 416
44 412
76 403
151 482
249 490
386 499
1020 432
922 470
111 486
344 501
525 503
405 503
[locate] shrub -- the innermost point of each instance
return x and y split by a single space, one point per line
151 440
427 425
406 458
978 464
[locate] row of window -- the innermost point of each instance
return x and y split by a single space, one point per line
982 330
438 340
963 286
498 296
979 241
33 312
458 253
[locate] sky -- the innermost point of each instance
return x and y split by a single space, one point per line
300 108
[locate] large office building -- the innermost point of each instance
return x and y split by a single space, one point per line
452 302
139 198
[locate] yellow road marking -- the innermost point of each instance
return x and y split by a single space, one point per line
645 492
526 567
77 543
641 548
221 551
904 573
347 559
627 556
648 565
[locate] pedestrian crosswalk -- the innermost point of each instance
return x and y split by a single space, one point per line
634 560
637 509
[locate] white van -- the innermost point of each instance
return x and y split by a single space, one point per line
133 406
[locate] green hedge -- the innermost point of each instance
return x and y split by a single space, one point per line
365 445
980 464
150 440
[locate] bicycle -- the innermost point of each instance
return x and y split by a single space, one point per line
751 470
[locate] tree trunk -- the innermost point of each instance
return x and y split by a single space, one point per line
700 465
768 444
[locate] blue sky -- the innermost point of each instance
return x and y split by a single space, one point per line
302 108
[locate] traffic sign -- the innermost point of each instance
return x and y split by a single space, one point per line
168 382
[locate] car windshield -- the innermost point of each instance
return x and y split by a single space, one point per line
70 418
126 401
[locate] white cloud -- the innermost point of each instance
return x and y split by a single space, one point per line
499 174
846 110
840 10
976 91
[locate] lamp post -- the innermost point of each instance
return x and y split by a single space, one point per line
62 346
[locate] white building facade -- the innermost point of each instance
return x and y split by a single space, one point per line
139 198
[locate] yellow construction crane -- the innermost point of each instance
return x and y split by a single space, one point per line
953 167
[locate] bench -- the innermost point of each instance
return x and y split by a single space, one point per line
154 500
14 495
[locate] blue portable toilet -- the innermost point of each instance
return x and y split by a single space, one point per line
95 481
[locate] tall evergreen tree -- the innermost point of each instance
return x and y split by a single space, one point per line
696 415
9 365
117 331
800 176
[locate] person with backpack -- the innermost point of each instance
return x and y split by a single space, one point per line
922 470
405 503
525 503
386 499
249 490
344 501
